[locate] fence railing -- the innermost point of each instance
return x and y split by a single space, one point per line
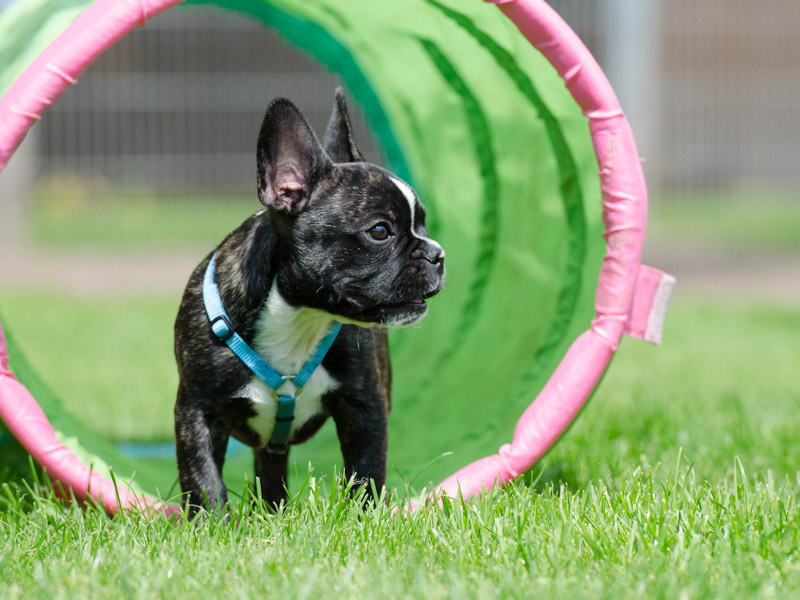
178 103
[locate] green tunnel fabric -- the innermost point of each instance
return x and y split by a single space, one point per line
498 151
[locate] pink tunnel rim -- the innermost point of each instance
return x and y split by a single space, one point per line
624 193
624 196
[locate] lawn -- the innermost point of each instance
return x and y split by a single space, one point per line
680 479
741 222
656 532
66 215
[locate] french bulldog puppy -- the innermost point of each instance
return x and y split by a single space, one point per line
341 241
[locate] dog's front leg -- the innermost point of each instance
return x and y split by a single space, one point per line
361 427
271 470
200 446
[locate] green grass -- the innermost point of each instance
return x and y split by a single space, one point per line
68 213
649 532
739 222
723 383
679 479
128 220
110 360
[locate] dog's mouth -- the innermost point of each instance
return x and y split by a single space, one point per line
363 302
415 305
391 313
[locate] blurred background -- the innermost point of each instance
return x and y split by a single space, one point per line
167 121
113 197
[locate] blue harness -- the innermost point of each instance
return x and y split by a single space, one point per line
222 328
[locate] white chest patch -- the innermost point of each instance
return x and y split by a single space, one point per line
286 337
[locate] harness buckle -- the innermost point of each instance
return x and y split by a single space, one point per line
286 378
222 328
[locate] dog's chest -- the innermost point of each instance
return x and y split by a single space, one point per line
286 337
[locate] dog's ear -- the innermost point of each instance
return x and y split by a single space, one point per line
339 142
290 159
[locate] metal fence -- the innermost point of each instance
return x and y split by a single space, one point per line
178 105
712 88
731 85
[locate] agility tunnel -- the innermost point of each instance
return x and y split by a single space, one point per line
533 187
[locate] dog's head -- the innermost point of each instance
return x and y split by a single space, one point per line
352 234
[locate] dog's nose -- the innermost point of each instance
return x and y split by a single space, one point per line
438 260
431 252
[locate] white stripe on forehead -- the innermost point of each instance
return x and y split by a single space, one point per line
410 197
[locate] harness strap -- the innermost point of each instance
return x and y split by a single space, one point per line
221 327
279 442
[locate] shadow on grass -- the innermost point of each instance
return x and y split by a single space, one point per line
16 462
554 475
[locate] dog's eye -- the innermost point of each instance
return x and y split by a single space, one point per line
379 232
